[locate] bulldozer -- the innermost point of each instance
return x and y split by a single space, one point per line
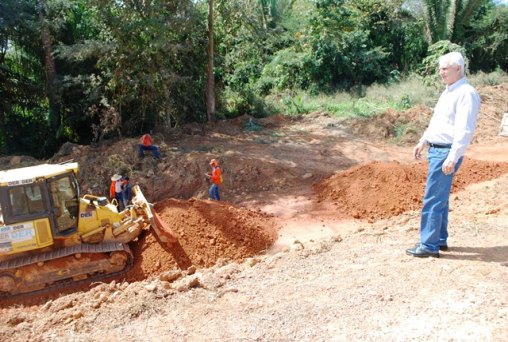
51 237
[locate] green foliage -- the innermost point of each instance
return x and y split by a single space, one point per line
377 98
413 46
405 102
354 42
402 129
249 35
154 62
447 19
488 38
236 103
123 67
23 106
289 69
294 104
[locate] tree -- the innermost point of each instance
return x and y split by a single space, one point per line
23 103
487 40
447 19
248 35
50 69
210 86
151 63
341 42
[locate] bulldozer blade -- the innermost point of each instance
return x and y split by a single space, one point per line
162 230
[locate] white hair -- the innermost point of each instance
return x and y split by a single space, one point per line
452 58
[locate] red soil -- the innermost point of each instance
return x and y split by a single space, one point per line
206 231
380 190
209 231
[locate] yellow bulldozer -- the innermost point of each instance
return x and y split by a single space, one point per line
51 237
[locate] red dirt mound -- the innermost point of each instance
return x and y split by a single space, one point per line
380 190
206 231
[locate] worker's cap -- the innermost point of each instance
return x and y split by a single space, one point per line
214 162
116 177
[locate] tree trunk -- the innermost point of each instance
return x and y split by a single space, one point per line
49 65
210 88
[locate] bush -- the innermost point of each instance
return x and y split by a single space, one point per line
288 69
488 79
236 103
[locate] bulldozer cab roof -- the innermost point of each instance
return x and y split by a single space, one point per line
28 175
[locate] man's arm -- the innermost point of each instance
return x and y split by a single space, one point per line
465 121
418 149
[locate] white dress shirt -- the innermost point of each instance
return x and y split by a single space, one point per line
454 119
118 186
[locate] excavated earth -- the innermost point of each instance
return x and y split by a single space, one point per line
206 232
379 190
307 244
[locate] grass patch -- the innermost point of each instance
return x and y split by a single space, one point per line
491 79
378 98
406 93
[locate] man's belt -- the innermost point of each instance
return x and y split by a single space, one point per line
440 145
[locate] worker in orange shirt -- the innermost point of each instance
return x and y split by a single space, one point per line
215 177
145 144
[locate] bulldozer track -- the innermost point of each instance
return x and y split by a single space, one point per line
62 253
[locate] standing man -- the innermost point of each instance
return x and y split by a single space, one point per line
447 137
216 179
127 191
115 190
145 144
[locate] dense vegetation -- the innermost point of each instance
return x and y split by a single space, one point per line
84 70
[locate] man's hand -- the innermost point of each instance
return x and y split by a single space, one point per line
417 151
448 167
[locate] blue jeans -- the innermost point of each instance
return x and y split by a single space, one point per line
152 148
214 192
434 220
119 199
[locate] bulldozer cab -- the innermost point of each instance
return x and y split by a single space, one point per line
37 204
64 203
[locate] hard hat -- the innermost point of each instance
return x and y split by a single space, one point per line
116 177
214 162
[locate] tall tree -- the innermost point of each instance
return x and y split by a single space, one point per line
210 86
152 62
23 102
49 63
487 40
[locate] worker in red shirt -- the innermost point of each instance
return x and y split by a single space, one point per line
145 144
215 177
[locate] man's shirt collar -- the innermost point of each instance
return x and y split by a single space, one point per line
456 84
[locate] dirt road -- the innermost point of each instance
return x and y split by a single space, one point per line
336 269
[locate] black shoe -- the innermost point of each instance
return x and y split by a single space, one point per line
441 248
419 252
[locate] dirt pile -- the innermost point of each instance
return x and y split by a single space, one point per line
494 105
207 232
380 190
